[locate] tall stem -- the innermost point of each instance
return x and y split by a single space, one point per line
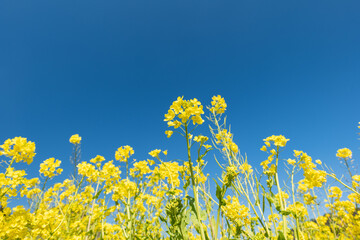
197 206
280 193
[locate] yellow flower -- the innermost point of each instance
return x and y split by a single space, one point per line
123 153
246 168
263 148
201 138
140 168
207 146
184 110
48 167
151 162
97 159
309 199
218 105
235 212
155 153
297 153
298 210
344 153
356 178
75 139
19 149
169 133
335 192
318 161
225 138
291 161
279 141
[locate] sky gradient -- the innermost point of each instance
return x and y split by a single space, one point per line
109 70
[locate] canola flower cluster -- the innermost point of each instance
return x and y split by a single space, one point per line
157 198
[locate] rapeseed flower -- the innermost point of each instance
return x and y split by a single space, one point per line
75 139
18 149
218 105
344 153
124 153
48 167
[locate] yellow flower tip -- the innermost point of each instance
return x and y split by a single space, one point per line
75 139
279 141
218 105
123 153
200 139
151 162
169 133
207 146
97 159
344 153
318 161
19 149
48 167
291 161
155 153
297 153
165 152
356 178
263 148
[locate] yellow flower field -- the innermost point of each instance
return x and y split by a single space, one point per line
157 198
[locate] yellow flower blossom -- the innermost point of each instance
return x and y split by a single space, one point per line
155 153
291 161
344 153
225 139
218 105
18 149
75 139
263 148
140 168
169 133
297 210
356 178
201 138
335 192
185 110
309 199
207 146
97 159
279 141
48 167
235 212
124 153
245 167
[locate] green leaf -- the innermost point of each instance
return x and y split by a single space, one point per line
285 213
98 193
218 192
203 215
281 236
162 218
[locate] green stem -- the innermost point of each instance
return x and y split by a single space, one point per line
197 206
280 193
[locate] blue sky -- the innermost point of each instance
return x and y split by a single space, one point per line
109 70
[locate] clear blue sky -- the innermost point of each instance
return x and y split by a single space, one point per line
109 70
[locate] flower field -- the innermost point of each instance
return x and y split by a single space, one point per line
161 199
